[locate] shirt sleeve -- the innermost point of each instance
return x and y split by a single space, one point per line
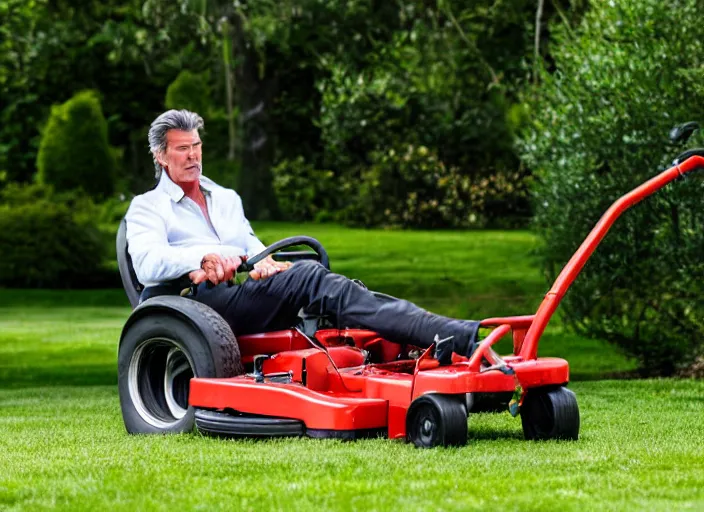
153 258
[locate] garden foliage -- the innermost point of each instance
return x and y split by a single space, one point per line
411 187
305 193
432 77
630 72
334 83
403 187
74 152
50 240
189 91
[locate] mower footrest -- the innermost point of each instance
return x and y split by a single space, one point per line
224 424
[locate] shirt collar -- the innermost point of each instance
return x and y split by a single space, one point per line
175 192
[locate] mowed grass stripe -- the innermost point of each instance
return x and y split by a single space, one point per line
641 448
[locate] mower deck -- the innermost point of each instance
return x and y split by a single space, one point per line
333 393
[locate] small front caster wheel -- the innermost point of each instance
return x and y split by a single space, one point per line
550 413
437 420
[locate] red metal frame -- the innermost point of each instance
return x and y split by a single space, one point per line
333 389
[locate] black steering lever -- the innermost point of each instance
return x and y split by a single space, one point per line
248 263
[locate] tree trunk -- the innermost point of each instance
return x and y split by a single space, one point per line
536 52
255 93
229 87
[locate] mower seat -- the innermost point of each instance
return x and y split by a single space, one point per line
133 288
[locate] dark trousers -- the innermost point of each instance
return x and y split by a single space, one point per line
274 303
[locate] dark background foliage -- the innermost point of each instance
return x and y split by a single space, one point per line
334 83
403 114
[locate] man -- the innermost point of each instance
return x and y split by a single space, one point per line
190 225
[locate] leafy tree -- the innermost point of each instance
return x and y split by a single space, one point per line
305 193
20 40
189 91
628 73
51 50
442 81
74 151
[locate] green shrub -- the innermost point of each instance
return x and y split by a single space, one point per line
16 194
410 187
420 88
361 114
112 211
502 199
303 192
189 91
370 118
44 246
599 129
219 169
53 240
74 152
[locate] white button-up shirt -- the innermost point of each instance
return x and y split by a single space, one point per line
168 235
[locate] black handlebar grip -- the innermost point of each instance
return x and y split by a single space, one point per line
687 154
311 242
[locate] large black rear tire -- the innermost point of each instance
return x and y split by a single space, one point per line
160 351
550 413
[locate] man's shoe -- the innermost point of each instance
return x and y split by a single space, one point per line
443 350
463 345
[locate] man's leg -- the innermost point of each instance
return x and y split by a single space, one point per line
273 303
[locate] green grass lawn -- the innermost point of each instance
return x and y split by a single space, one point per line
642 448
63 445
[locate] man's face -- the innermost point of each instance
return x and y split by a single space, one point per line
183 156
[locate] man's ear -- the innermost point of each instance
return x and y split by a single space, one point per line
160 159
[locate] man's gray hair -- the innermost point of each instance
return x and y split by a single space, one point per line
171 119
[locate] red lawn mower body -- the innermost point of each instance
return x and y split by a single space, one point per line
332 389
336 391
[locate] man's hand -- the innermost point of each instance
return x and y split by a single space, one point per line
268 267
215 268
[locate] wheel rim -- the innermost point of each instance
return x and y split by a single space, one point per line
159 378
426 426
